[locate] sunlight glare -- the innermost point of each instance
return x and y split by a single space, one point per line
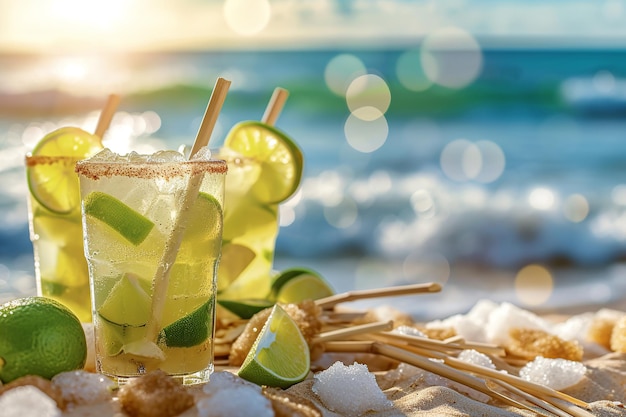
247 17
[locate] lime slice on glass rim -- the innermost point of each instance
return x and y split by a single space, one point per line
50 169
298 284
280 158
279 356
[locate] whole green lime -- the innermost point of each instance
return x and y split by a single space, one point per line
39 336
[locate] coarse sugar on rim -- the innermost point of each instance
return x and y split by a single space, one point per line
148 170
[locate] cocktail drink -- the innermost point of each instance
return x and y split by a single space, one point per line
264 169
55 219
153 232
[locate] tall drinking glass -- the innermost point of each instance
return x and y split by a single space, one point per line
153 231
55 220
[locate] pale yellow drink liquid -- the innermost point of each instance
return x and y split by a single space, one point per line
250 231
134 342
60 265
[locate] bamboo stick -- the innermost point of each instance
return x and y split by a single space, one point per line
442 345
516 381
331 301
275 106
350 331
107 115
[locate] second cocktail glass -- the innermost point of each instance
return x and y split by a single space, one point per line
153 232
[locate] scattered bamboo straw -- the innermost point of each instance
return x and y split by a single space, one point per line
542 391
353 331
161 277
107 115
555 398
439 345
331 301
493 384
275 106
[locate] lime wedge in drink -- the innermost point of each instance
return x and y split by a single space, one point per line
52 181
234 259
204 219
133 226
279 356
191 330
128 303
298 284
245 308
279 156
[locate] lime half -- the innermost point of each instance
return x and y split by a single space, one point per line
280 158
279 356
298 284
50 169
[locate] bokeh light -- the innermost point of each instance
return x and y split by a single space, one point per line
576 208
426 267
342 215
341 71
451 57
368 97
410 72
366 135
534 285
247 17
541 198
618 194
463 160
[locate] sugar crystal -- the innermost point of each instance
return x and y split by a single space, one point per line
82 387
349 390
409 331
474 357
27 400
231 396
553 373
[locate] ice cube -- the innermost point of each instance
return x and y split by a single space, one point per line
349 390
165 156
203 154
554 373
28 401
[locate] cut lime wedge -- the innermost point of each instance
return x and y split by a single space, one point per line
245 308
133 226
234 259
279 356
191 330
298 284
50 170
204 219
280 158
128 303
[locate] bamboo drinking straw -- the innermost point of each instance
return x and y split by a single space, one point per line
161 278
275 106
107 115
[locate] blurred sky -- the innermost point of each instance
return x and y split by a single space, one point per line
54 26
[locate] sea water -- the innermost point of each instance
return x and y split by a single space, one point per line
550 121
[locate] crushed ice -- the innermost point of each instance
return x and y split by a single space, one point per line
349 390
554 373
